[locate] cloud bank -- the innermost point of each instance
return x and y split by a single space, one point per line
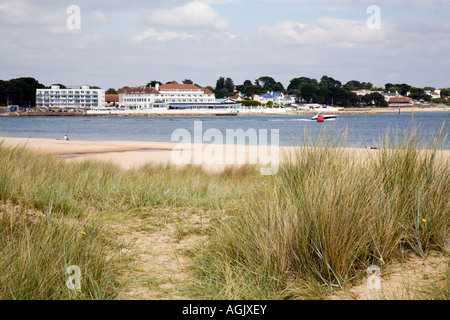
139 41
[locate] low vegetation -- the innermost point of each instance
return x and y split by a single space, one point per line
326 217
310 230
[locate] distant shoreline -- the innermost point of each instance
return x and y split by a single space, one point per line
213 113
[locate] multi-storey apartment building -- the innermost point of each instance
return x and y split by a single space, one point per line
84 98
172 95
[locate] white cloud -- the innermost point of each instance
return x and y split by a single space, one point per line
23 13
192 39
326 31
193 15
163 36
98 17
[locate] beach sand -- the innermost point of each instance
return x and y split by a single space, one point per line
134 154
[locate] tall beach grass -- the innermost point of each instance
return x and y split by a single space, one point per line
327 216
311 229
54 214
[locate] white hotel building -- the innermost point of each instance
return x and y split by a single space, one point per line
170 96
84 98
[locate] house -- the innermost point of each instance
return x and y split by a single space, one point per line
396 102
275 97
436 94
170 96
388 95
289 99
237 97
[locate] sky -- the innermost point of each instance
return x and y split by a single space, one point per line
116 43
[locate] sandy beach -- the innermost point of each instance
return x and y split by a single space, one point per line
134 154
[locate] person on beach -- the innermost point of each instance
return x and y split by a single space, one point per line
66 137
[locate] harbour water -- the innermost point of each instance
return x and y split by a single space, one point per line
362 130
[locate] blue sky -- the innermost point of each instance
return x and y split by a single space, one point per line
131 43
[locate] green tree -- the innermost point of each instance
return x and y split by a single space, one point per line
419 94
353 85
329 82
188 81
250 103
445 93
229 85
366 99
367 85
20 91
242 87
278 87
404 88
343 98
266 82
296 83
111 91
379 100
220 84
222 93
356 85
308 92
324 96
251 91
394 89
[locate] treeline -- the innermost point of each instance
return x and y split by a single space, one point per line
225 87
20 91
327 90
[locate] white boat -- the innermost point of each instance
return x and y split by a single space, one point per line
325 116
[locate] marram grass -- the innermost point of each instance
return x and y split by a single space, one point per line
328 215
72 205
312 228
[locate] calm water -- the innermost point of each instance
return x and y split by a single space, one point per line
363 130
